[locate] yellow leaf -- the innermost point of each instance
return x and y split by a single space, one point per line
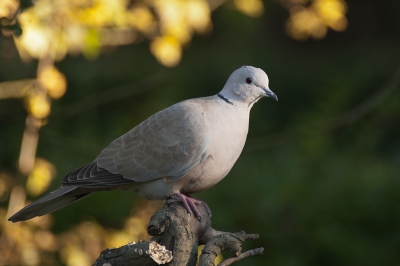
142 19
252 8
34 40
167 50
45 240
332 12
117 238
53 81
305 22
198 15
40 177
39 105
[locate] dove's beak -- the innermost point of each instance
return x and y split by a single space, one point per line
270 94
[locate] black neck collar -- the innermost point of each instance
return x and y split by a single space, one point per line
224 98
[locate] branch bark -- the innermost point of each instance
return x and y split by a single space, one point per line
176 236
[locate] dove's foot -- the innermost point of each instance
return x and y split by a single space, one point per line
190 204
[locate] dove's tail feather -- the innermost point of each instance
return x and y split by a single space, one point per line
49 203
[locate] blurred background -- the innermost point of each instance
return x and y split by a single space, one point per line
319 177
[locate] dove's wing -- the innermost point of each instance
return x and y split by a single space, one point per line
166 145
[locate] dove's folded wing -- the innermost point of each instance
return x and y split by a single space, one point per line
166 145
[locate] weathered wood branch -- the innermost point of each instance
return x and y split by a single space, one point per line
176 236
227 241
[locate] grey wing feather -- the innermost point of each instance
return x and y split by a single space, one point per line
50 202
166 145
94 177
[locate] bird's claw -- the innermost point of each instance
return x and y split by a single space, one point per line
190 204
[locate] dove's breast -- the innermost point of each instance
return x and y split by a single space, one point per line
228 127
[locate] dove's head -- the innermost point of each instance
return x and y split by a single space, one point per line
247 84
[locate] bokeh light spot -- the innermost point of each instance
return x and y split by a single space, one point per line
252 8
167 50
40 177
53 81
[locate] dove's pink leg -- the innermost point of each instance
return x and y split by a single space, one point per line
190 204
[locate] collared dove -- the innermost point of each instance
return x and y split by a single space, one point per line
181 150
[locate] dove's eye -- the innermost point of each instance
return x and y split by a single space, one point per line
249 80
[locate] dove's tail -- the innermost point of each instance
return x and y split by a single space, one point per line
49 203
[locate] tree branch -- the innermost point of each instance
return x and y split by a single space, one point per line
230 241
176 236
249 253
